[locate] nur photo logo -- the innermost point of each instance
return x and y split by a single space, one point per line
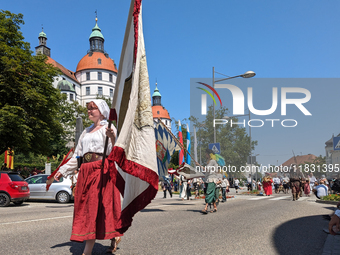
284 98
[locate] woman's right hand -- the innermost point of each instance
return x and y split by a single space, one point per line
50 181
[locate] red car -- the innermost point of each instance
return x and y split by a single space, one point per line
13 188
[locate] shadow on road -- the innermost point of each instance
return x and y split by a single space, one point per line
303 236
152 210
77 248
61 206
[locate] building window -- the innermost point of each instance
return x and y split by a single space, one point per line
157 112
71 97
99 61
64 79
87 76
110 77
87 91
99 76
100 91
111 92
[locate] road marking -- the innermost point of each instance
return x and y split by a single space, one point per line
24 221
279 198
155 206
257 198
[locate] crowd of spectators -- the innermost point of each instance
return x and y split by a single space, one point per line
25 172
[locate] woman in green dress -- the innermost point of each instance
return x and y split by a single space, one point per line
211 172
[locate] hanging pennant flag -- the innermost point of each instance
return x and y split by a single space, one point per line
9 158
180 138
195 145
188 146
133 158
165 147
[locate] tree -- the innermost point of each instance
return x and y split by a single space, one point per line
28 101
234 141
317 167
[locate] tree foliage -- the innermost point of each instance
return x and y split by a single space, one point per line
28 101
317 167
234 140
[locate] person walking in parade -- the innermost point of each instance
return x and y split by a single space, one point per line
211 178
236 184
267 185
94 218
224 185
183 183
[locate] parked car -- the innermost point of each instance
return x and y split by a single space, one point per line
13 188
60 191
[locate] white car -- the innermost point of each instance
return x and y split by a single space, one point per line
60 191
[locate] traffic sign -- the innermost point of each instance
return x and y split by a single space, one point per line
215 147
336 143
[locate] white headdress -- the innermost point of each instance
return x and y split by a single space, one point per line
102 107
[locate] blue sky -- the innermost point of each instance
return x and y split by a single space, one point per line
185 39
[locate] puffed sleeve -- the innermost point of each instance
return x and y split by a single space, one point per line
72 165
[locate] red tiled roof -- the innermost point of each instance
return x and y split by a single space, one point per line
64 70
159 111
300 160
91 62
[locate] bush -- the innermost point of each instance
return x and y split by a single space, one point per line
332 197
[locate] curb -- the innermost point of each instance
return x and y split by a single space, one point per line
332 245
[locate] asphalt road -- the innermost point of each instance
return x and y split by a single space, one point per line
244 225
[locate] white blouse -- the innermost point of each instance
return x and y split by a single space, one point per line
88 142
212 171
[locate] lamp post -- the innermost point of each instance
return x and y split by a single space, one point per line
247 74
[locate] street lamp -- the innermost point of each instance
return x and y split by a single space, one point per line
247 74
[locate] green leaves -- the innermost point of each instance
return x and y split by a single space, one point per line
28 101
234 140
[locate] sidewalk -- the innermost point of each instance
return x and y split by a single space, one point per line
332 245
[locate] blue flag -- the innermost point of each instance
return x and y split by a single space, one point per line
165 147
188 146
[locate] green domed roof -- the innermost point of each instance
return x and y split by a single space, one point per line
96 32
65 85
156 92
42 34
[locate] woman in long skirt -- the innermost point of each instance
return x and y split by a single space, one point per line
267 185
211 178
97 199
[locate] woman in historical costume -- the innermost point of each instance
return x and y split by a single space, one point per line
267 185
307 188
97 200
211 178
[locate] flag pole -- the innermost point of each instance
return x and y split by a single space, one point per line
177 141
113 112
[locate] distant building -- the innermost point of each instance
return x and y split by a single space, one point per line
299 159
159 111
332 156
95 75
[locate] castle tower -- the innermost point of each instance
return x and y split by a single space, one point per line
42 48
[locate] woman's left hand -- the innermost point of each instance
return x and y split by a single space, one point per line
110 133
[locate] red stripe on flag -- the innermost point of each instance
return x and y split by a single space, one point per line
142 200
136 11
